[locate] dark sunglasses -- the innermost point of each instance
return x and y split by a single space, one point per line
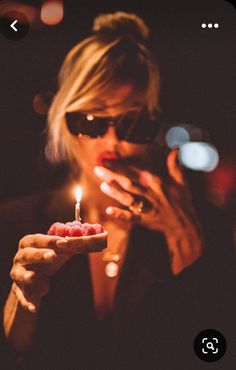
133 127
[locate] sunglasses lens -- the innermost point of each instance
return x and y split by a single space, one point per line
86 124
139 130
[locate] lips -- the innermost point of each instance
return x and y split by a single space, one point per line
107 156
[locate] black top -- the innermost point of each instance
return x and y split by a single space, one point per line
156 315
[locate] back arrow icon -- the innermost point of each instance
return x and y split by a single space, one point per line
13 26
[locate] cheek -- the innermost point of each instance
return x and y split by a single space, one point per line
85 145
86 151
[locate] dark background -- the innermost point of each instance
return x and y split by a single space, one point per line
197 72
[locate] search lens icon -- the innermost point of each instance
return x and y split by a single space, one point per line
209 345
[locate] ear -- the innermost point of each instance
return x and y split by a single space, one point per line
174 167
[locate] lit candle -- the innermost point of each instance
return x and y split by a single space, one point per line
78 195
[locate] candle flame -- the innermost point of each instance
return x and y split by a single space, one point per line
78 194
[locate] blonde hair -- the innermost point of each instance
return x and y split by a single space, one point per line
112 57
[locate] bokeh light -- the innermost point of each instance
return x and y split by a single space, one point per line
224 178
30 11
182 133
199 156
52 12
177 136
221 185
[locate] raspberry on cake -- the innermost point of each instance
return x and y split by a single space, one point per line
83 238
75 231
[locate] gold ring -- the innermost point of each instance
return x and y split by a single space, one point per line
136 207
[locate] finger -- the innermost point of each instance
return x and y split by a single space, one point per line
27 256
33 285
145 178
121 167
122 197
38 289
122 214
129 172
125 182
135 186
149 182
39 241
155 186
174 168
21 275
27 305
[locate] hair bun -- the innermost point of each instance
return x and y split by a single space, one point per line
112 25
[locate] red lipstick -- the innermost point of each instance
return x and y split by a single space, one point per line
107 155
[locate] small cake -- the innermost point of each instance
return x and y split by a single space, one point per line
84 238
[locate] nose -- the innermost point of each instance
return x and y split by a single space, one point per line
110 136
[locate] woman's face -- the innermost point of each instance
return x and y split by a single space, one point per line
91 152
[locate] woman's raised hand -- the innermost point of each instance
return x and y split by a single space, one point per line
168 207
37 259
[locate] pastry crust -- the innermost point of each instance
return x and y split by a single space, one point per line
88 243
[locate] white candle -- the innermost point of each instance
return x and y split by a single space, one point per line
78 196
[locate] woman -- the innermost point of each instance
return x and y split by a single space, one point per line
71 312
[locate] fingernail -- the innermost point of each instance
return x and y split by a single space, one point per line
98 171
105 187
62 243
32 308
28 275
145 178
109 211
49 256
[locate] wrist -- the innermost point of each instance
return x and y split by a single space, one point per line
184 248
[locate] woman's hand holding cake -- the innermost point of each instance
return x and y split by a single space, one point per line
35 262
39 256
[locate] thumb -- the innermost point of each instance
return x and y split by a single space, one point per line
174 167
